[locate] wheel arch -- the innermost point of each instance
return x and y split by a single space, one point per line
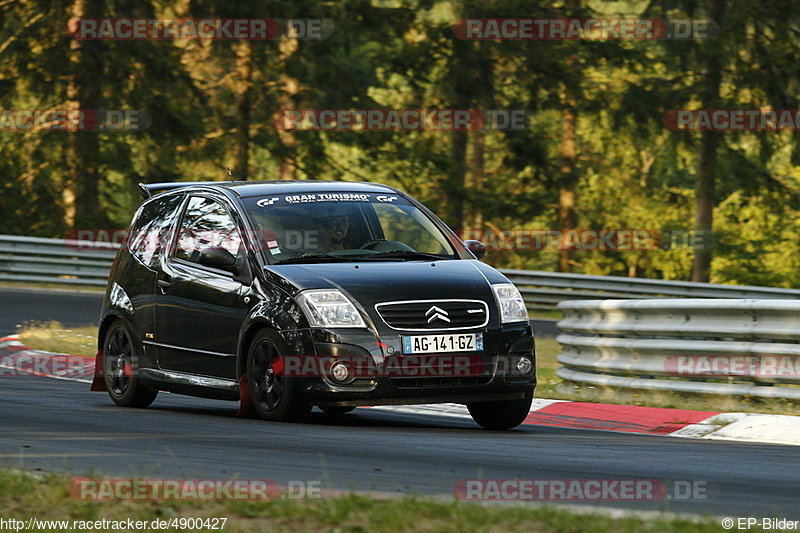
106 322
248 335
271 317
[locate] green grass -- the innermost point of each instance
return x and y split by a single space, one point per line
53 337
553 314
50 286
46 496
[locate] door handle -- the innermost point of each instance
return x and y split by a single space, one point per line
164 284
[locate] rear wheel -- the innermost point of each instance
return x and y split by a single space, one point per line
504 414
336 409
120 368
274 396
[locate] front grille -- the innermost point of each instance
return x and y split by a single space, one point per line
439 315
419 383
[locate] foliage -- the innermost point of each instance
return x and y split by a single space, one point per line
212 105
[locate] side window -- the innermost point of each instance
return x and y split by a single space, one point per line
205 223
151 230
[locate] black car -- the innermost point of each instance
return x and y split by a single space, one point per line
288 295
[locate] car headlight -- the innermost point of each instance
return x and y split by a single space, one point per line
512 306
329 308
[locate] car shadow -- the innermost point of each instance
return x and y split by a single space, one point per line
362 417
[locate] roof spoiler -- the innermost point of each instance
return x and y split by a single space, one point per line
150 189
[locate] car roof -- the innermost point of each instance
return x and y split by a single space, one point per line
246 189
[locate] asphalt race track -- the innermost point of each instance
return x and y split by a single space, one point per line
69 308
52 424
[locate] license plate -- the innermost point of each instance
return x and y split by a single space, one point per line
464 342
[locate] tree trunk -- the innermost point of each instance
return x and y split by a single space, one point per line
69 187
456 179
244 86
288 88
474 218
709 142
567 216
704 204
81 193
568 179
460 67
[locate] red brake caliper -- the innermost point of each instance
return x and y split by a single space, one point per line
277 366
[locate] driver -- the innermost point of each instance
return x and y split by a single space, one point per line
332 228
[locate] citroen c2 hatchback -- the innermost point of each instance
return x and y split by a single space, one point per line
289 295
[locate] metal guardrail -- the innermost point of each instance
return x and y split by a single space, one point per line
717 346
60 261
545 290
87 262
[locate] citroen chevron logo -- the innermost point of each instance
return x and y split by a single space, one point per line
436 312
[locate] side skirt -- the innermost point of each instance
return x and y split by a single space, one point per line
190 384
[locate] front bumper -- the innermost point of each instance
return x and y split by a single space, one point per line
494 378
386 394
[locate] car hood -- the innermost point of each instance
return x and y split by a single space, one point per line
369 283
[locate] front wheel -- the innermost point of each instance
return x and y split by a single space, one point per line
504 414
120 368
274 395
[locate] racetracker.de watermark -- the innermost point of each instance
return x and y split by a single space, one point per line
590 29
579 490
405 366
191 489
498 240
744 366
21 363
396 364
73 120
400 119
732 119
189 239
224 29
608 239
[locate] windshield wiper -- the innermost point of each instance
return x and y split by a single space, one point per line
401 254
380 256
318 258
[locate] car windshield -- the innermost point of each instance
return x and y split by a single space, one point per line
336 226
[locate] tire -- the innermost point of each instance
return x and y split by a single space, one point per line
504 414
274 397
120 368
335 410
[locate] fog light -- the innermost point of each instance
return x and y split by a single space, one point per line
340 372
524 365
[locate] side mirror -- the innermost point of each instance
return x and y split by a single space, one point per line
477 248
217 257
